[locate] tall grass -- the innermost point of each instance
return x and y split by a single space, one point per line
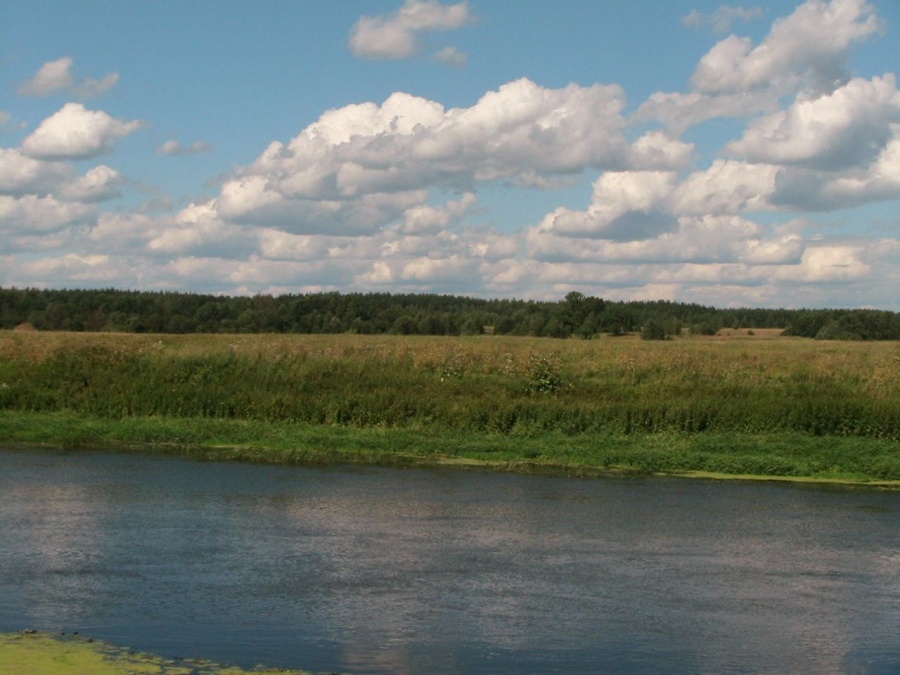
511 386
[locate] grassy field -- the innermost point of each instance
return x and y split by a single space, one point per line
742 403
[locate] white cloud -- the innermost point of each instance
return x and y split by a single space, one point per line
56 76
723 18
626 205
491 245
806 51
380 274
20 174
786 249
121 232
848 127
255 200
175 148
658 151
426 218
451 56
726 187
52 77
692 240
99 184
364 167
397 36
74 132
827 263
679 111
820 191
810 43
279 245
286 273
42 214
437 270
197 229
393 196
371 160
880 181
69 267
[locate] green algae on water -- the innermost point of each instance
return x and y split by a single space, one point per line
39 653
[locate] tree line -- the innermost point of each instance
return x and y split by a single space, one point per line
414 314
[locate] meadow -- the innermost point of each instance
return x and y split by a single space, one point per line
744 403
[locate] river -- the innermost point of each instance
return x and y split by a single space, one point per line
371 570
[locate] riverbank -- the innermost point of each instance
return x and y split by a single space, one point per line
786 456
40 653
777 408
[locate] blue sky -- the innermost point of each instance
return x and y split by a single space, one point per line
733 155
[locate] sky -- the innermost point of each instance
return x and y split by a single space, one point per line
727 155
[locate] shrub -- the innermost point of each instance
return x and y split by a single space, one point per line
544 374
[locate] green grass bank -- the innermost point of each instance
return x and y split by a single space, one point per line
743 406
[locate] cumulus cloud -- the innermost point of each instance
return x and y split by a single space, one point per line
79 267
848 127
811 43
825 263
74 132
277 244
881 180
175 148
197 229
726 187
362 166
425 218
626 205
56 76
123 232
692 240
783 250
42 214
397 36
805 52
99 184
53 76
20 174
253 200
641 206
659 151
388 196
801 188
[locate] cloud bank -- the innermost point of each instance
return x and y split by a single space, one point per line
390 195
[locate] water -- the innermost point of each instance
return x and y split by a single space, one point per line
406 571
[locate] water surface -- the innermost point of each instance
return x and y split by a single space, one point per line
410 571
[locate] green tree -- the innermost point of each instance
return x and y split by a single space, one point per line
654 329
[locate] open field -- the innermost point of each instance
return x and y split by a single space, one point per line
736 403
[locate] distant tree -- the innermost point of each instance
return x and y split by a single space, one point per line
654 329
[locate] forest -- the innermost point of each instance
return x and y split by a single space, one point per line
575 315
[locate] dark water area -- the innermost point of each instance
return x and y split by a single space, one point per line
368 570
